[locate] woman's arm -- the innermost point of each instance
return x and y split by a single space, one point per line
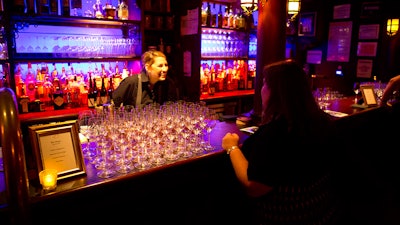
240 164
393 85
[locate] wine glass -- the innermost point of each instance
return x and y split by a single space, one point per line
85 120
356 89
211 123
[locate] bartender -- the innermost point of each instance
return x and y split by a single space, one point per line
151 85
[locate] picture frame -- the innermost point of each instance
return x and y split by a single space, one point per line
368 49
368 31
57 146
369 95
307 24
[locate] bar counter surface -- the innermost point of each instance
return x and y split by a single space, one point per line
67 186
179 177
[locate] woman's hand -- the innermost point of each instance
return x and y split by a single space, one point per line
229 140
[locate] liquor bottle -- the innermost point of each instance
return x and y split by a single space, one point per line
103 92
43 7
18 81
241 74
67 95
54 7
117 76
23 102
230 19
208 22
203 16
20 7
76 6
58 99
123 11
219 17
65 9
225 18
211 86
30 82
75 92
91 94
31 8
48 90
38 105
213 17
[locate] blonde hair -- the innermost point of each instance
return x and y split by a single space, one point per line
148 57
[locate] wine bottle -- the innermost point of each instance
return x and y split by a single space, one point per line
43 7
103 92
54 7
65 9
91 94
213 17
219 17
208 23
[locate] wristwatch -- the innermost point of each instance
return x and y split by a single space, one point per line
228 151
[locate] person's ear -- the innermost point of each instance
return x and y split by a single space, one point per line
147 66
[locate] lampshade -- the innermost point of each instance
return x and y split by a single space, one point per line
293 7
249 6
392 26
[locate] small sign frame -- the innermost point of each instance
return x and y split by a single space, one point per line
369 95
57 146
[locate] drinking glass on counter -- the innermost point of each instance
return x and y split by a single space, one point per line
128 139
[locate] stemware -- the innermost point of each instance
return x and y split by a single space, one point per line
211 123
356 89
85 121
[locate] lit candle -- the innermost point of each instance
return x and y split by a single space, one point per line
48 179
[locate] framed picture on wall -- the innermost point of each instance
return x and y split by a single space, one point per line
367 48
307 24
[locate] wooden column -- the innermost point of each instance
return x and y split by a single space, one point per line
271 41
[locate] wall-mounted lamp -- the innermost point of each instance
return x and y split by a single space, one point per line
249 6
293 7
392 26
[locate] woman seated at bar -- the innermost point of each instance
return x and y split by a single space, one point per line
151 85
285 166
392 90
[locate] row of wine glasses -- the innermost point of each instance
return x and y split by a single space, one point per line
126 139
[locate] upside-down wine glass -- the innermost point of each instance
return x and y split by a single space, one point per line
211 123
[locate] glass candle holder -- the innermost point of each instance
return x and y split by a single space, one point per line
48 179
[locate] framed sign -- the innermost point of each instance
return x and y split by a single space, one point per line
368 31
57 146
367 48
369 95
307 24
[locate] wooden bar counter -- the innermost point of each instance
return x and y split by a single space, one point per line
203 189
